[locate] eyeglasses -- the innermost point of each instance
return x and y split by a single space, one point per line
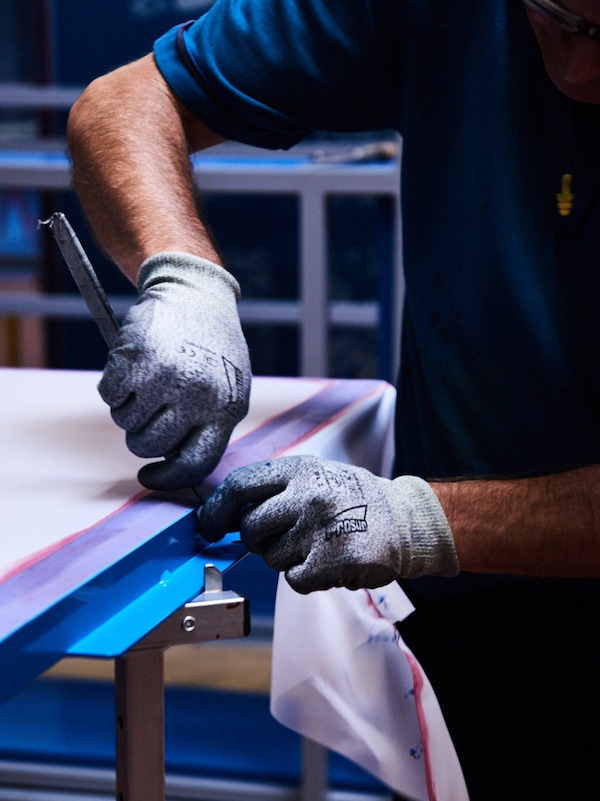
567 20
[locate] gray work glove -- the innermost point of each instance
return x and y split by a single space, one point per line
178 377
327 524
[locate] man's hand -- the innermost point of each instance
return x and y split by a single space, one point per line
178 377
328 524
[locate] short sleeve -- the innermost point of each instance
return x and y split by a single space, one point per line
268 73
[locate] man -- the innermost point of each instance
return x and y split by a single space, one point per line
498 427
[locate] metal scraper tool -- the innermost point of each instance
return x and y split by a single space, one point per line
87 282
84 275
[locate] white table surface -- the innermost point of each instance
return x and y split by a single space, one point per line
80 539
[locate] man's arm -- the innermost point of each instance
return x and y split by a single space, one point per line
130 139
327 524
178 376
543 526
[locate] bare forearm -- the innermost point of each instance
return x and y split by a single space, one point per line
131 170
543 526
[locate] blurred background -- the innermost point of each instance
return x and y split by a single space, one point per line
60 45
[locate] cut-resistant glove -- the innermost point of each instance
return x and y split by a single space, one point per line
327 524
178 377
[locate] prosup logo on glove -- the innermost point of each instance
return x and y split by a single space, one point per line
348 521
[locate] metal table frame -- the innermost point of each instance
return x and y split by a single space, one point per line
215 614
110 597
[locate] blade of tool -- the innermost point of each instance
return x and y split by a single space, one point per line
84 275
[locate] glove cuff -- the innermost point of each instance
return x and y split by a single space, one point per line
186 269
427 542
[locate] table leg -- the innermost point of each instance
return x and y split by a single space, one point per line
140 740
315 759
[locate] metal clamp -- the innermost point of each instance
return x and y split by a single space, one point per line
214 614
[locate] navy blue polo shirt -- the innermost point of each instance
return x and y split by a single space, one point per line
499 369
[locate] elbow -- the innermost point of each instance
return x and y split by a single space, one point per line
81 117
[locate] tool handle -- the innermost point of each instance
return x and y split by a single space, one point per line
84 275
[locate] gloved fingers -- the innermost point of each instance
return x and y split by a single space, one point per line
132 404
188 464
239 493
322 568
309 577
162 434
317 573
171 473
128 358
167 474
115 386
126 414
153 407
270 527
